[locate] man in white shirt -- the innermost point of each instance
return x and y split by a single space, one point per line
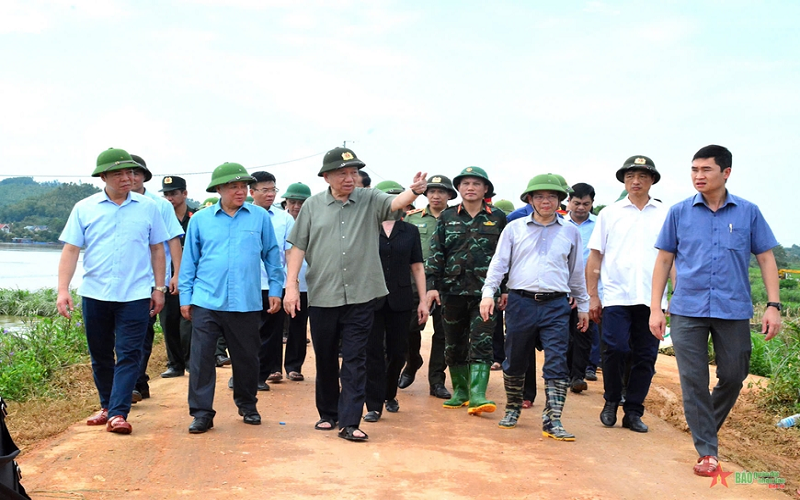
623 255
543 257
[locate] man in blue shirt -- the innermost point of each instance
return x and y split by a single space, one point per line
220 289
122 234
710 237
580 215
172 249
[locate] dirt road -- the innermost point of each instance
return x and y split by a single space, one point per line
423 451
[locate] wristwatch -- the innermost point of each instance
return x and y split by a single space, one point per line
162 289
776 305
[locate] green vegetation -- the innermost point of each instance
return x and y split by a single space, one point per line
25 303
25 203
779 359
29 357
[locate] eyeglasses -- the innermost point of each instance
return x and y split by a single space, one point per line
267 190
548 197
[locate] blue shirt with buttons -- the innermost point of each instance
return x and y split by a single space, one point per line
521 212
222 259
712 255
117 239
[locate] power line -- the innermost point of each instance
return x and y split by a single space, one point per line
171 173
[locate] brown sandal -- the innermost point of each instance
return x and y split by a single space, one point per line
296 376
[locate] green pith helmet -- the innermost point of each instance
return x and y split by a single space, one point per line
623 194
475 172
249 199
208 202
113 159
297 191
564 184
504 205
545 182
228 172
338 158
390 187
441 182
147 174
639 163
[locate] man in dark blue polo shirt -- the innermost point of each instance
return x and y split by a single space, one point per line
710 237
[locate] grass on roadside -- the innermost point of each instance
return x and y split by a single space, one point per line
15 302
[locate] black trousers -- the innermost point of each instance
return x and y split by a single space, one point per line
240 330
177 333
580 346
352 325
270 354
436 363
386 355
147 349
296 346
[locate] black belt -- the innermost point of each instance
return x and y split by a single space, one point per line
540 296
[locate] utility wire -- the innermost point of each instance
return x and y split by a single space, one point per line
171 173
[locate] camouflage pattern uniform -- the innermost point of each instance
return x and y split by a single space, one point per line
461 249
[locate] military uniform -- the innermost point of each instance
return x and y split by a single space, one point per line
425 222
461 250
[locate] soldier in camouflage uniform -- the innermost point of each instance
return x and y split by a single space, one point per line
439 191
461 249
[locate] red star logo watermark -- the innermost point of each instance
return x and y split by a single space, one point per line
720 476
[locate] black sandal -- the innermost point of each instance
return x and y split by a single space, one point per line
328 421
348 433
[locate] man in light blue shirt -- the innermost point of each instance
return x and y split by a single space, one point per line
122 234
220 289
172 250
580 215
710 238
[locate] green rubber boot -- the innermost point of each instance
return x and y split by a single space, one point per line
459 376
479 379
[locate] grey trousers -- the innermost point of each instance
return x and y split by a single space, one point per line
706 412
240 330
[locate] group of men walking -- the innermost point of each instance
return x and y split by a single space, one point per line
368 281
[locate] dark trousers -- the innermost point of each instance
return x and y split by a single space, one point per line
147 349
468 339
270 354
436 363
706 412
115 328
296 345
626 330
499 342
386 354
177 333
528 322
240 330
580 346
352 325
597 347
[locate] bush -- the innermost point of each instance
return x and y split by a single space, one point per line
15 302
779 359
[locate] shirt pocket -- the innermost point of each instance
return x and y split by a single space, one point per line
454 233
246 240
737 240
134 230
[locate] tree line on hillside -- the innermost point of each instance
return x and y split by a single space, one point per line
42 208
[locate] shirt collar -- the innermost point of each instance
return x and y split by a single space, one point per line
591 218
217 207
484 207
354 196
729 198
627 202
559 220
105 197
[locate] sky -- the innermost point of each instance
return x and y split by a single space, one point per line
517 88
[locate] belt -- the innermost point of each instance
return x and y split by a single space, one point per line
540 296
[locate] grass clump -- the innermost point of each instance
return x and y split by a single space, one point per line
779 359
15 302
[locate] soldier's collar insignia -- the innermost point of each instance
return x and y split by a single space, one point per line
639 161
489 223
347 155
167 180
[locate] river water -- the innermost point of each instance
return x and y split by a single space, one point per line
31 267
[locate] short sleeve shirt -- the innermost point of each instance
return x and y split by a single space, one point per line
626 237
340 241
116 239
712 255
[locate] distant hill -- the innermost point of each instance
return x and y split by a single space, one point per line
16 189
46 205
